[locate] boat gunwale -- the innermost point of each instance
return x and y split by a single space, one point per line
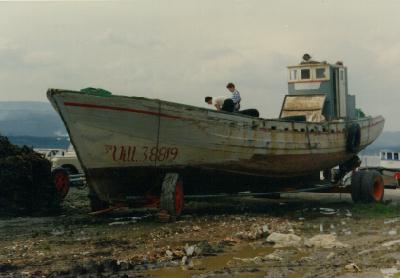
51 92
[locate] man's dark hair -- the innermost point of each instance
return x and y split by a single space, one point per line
230 85
207 99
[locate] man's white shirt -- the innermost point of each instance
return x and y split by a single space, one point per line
219 100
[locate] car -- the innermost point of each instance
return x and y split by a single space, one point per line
68 160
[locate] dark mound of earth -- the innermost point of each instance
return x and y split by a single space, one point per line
26 185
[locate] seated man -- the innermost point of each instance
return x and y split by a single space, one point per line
235 95
221 103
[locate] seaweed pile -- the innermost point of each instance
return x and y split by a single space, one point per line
26 186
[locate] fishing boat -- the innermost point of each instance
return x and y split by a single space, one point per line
134 146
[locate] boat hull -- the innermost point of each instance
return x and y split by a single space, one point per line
119 138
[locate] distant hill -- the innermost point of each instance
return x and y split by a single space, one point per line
41 142
30 118
389 140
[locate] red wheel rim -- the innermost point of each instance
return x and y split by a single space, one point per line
378 189
62 183
178 197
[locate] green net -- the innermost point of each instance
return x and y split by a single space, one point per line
96 92
359 113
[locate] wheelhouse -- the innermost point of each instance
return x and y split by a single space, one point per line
311 77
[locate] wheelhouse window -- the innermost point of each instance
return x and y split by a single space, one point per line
396 156
320 73
389 156
305 74
383 156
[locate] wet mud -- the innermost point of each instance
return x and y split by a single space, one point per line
298 235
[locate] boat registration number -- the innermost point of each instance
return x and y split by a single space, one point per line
131 153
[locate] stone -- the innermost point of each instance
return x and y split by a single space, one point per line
392 232
255 260
352 268
169 253
198 250
284 240
184 260
272 257
189 250
324 241
389 272
255 232
265 230
391 243
330 256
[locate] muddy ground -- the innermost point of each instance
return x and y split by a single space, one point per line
239 237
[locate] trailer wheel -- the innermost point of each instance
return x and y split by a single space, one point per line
171 199
356 186
96 203
61 181
372 187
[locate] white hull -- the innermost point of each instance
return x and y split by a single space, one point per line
131 132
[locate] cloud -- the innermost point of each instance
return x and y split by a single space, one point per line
6 44
111 37
14 56
39 58
125 39
182 50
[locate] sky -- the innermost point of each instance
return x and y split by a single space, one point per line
184 50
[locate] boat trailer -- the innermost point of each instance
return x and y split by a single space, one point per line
365 185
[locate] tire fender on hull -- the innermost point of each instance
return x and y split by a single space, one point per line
353 138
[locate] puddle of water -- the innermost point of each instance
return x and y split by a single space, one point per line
210 263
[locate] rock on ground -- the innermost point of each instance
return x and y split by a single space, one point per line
324 241
284 240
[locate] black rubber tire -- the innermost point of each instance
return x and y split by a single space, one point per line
370 181
353 140
356 186
96 203
168 199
